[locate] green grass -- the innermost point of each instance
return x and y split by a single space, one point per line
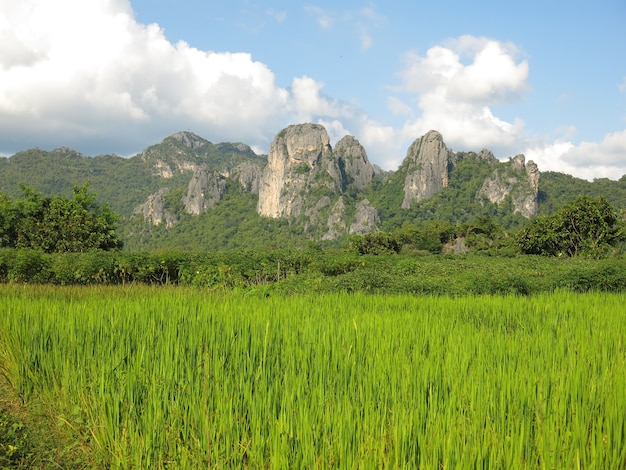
183 378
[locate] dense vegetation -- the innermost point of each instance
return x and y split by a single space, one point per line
178 378
587 226
124 183
293 271
272 356
56 223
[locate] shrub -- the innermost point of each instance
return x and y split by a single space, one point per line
29 266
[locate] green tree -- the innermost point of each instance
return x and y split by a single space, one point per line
58 224
589 226
375 243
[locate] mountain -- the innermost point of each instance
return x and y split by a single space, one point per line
189 193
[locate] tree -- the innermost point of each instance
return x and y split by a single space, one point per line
57 224
588 226
375 243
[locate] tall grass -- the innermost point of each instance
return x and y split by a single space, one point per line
178 378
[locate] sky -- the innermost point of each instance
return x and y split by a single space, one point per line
546 78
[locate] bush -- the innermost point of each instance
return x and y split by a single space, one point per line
610 276
29 266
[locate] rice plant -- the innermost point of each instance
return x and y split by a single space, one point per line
184 378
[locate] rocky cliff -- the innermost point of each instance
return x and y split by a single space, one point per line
306 178
353 162
154 210
212 166
516 179
427 165
307 182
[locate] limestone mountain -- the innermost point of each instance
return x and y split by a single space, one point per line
518 180
427 166
189 193
305 180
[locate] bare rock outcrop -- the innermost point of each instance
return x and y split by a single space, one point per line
172 155
353 160
516 179
336 221
205 189
427 164
248 174
154 211
366 219
300 158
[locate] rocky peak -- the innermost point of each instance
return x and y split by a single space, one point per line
189 139
427 164
517 179
366 218
352 158
300 157
248 174
488 156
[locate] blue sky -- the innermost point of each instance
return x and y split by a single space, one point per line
543 78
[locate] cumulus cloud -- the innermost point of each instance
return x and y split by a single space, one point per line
88 75
457 84
588 160
87 72
307 103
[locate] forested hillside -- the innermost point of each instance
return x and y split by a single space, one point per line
188 193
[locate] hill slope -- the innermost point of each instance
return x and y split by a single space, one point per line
189 193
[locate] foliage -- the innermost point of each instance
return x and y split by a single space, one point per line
558 189
311 270
586 226
124 183
375 243
57 224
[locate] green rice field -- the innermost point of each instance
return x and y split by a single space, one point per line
185 378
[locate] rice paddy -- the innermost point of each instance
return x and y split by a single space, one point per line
185 378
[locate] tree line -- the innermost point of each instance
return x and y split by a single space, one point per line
588 227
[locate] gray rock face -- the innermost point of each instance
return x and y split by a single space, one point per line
488 156
366 219
205 189
428 162
153 210
248 175
353 160
517 179
189 139
336 225
300 158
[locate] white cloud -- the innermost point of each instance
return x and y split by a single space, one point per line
86 74
75 71
308 104
399 107
622 86
588 160
362 21
456 86
279 15
366 40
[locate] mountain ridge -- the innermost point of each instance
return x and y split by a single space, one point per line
303 187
